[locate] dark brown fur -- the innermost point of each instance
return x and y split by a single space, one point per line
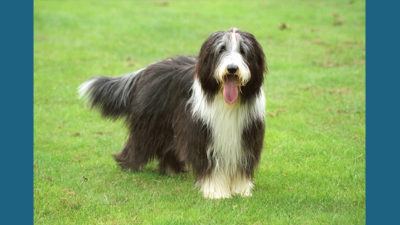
156 109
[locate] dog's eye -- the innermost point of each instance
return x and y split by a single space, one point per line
241 50
222 49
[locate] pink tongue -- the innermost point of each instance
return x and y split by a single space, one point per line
230 91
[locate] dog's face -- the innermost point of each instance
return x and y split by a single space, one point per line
232 62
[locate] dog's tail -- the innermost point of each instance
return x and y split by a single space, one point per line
111 95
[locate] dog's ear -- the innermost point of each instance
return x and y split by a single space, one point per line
206 63
257 65
259 57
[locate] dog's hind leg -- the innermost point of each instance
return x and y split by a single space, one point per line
129 158
170 164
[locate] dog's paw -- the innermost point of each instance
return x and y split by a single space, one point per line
216 187
246 193
216 194
242 186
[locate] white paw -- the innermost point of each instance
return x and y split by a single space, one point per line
216 186
246 193
216 195
242 186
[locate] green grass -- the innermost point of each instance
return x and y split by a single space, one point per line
312 169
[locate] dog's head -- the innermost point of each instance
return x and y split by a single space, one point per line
231 62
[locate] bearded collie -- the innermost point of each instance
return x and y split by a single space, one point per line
206 113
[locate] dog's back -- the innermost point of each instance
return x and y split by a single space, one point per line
142 92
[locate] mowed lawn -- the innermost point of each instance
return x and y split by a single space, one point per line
312 169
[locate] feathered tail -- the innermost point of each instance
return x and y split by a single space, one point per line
111 95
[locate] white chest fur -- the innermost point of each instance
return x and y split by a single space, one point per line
226 123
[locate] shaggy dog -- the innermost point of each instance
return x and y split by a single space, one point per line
206 112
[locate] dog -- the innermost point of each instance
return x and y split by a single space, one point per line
206 113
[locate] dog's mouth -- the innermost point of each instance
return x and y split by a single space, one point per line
231 88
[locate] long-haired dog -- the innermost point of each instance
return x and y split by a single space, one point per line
206 112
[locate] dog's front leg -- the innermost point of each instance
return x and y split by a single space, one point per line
241 185
215 185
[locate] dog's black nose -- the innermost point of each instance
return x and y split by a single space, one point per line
232 68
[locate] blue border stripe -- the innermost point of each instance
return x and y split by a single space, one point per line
383 112
16 112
